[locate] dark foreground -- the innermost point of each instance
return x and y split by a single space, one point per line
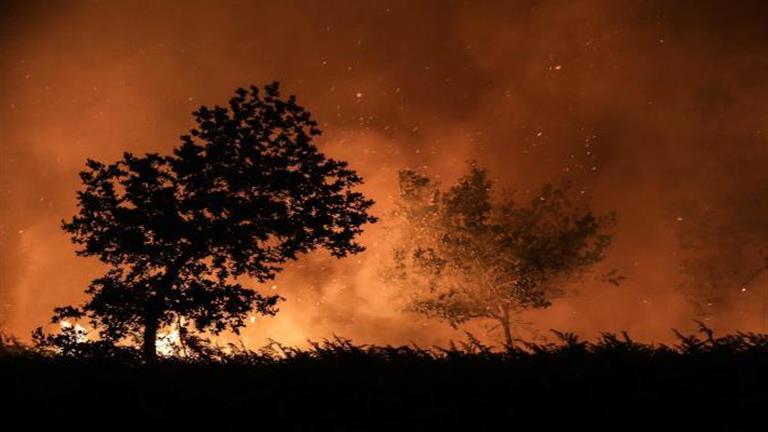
718 384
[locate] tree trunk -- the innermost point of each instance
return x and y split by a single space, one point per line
149 345
155 308
506 326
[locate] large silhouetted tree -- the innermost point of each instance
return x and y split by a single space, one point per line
465 256
245 192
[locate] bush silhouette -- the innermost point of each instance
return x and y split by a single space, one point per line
702 382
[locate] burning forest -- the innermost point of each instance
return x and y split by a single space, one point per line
466 201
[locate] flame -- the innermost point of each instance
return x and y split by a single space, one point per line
81 334
169 343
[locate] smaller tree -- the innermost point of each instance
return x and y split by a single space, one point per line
463 256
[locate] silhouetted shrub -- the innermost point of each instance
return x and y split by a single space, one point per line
702 382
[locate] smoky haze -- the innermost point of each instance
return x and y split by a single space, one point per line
654 109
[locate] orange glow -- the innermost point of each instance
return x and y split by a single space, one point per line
649 110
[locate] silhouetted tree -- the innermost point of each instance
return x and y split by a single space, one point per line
244 193
464 257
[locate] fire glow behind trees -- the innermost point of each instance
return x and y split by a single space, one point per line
654 108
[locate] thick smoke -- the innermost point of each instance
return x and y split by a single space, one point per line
655 109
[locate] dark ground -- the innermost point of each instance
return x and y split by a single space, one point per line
700 384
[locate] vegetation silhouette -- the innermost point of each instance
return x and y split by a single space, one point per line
703 382
464 255
245 192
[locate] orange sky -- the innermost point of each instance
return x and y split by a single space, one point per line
655 108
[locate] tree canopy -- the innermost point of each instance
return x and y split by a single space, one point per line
245 192
465 256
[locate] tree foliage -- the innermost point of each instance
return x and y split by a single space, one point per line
464 256
245 192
